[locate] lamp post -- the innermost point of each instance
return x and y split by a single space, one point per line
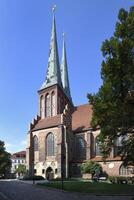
33 174
62 159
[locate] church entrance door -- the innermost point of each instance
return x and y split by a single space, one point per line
49 173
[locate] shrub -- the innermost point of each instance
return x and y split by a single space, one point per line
119 179
91 167
33 178
132 180
112 179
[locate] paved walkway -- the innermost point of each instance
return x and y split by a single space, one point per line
15 190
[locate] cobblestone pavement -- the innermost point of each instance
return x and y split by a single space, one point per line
15 190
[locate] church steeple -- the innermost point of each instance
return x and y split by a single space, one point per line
64 71
53 75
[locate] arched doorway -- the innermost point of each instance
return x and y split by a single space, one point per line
49 173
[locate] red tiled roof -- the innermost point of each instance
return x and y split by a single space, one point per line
81 118
19 154
48 122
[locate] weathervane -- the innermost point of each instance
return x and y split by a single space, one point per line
63 35
53 8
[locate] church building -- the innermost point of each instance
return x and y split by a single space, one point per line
61 138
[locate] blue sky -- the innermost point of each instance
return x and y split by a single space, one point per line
25 27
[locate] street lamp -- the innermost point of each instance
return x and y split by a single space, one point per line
33 174
62 160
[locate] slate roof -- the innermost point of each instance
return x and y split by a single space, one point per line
53 75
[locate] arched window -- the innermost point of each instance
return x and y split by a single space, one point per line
53 103
50 150
119 143
126 170
80 148
47 106
97 147
41 107
35 143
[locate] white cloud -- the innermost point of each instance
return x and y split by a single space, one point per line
13 147
24 142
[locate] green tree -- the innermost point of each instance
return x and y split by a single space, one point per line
5 161
113 105
91 168
21 169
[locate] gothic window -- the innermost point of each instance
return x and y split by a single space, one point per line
126 170
35 142
80 148
47 106
97 147
118 144
42 107
53 103
50 146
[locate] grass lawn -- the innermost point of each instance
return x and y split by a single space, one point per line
93 188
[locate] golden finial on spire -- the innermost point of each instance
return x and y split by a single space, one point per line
53 9
63 35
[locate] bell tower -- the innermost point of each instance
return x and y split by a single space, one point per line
53 126
54 93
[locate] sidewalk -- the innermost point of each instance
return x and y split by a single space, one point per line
31 181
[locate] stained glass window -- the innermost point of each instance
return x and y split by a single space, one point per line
126 170
80 148
50 145
35 140
97 147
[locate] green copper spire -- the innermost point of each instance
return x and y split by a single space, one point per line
53 75
64 71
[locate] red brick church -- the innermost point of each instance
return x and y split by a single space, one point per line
60 138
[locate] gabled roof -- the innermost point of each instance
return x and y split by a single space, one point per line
81 118
48 122
20 154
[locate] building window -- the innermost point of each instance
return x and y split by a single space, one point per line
43 171
80 148
42 107
56 171
50 150
35 141
53 103
35 171
47 106
97 147
126 170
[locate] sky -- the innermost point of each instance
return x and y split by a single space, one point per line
25 28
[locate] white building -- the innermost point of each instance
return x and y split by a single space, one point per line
17 159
